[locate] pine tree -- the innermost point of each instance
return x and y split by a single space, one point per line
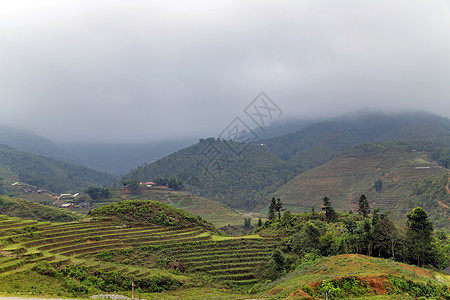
278 207
247 223
419 235
363 206
330 213
272 208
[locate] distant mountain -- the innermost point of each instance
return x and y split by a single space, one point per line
28 141
320 142
52 174
236 174
408 177
246 179
120 158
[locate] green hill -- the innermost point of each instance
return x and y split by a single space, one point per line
406 170
212 169
144 212
48 173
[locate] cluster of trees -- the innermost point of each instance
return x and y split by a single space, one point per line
378 185
171 182
276 206
97 193
134 186
442 156
369 233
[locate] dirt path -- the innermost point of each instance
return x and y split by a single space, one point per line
448 190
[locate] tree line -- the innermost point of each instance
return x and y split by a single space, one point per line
367 232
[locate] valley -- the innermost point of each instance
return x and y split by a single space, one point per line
188 226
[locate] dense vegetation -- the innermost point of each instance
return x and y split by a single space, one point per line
98 193
82 280
51 174
325 234
15 207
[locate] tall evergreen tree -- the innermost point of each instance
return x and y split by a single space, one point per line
278 207
363 206
259 222
419 235
247 223
385 236
330 213
272 208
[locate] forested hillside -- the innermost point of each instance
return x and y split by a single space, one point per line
48 173
28 141
211 168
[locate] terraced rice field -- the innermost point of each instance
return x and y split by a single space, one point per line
24 243
235 261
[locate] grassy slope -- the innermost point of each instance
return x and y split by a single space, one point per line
354 172
374 270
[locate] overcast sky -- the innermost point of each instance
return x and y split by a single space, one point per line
130 70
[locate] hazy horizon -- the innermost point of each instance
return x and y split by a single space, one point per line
141 72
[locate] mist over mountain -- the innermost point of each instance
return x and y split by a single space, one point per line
29 141
120 158
48 173
244 178
318 143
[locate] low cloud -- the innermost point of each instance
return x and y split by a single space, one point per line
154 70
